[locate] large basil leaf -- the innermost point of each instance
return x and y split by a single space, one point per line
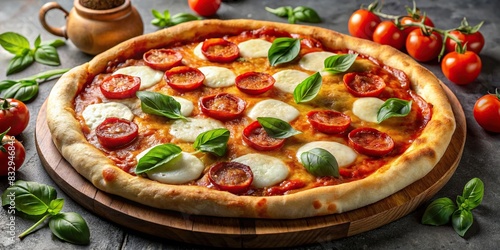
339 63
462 220
473 193
439 212
157 156
14 43
213 141
277 128
308 89
20 62
46 54
159 104
306 14
31 198
320 162
283 50
70 227
393 107
24 90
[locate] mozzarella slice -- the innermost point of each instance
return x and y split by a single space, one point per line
342 153
197 52
95 114
267 170
254 48
217 77
149 77
315 61
190 129
366 108
187 106
287 80
275 109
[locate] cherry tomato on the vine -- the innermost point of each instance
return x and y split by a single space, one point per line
14 115
362 24
204 7
12 154
487 112
423 47
461 68
407 20
473 41
388 33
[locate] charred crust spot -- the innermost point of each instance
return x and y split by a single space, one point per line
317 204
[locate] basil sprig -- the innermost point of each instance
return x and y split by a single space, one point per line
157 156
164 19
159 104
24 55
442 210
213 141
283 50
339 63
277 128
320 162
393 107
40 201
308 89
301 13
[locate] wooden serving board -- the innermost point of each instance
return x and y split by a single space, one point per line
248 233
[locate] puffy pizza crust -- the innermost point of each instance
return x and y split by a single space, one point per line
414 164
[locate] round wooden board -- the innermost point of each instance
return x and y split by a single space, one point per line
248 233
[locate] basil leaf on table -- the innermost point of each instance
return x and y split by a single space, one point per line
70 227
277 128
31 198
283 50
157 156
308 89
393 107
55 206
461 220
473 193
20 62
14 43
320 162
158 104
46 54
306 14
339 63
166 20
23 91
439 212
183 17
213 141
280 11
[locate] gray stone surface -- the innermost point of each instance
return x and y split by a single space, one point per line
481 156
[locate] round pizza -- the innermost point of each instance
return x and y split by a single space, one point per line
245 118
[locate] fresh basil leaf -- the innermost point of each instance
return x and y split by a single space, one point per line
31 198
46 75
213 141
306 14
38 41
320 162
283 50
157 156
19 63
55 206
393 107
5 84
473 193
47 55
14 43
439 212
70 227
339 63
54 43
158 104
182 18
277 128
462 220
308 89
156 14
26 91
280 11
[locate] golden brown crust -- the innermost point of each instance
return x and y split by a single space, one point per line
415 163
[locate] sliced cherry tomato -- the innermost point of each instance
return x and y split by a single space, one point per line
370 141
115 132
256 137
388 33
407 20
329 121
162 59
222 106
233 177
12 155
120 86
364 84
473 41
204 8
14 115
461 68
284 187
220 50
362 24
184 78
487 112
423 47
254 83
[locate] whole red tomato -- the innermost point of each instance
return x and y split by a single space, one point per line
389 34
423 47
204 7
12 154
461 68
487 112
362 24
14 115
407 20
473 41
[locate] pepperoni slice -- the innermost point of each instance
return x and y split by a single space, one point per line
162 59
220 50
364 84
233 177
120 86
115 132
370 141
184 78
256 137
329 121
222 106
254 83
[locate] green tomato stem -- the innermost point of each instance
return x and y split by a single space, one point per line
44 76
32 228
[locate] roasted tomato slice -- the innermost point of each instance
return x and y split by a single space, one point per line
233 177
220 50
115 132
120 86
364 84
184 78
256 137
222 106
370 141
162 59
308 45
329 121
254 83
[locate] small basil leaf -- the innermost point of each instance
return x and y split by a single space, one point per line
462 220
159 104
55 206
277 128
27 91
473 193
213 141
156 14
339 63
166 15
393 107
306 14
70 227
281 11
320 162
47 55
439 212
157 156
182 18
5 84
283 50
19 63
11 92
54 43
308 89
14 43
31 198
38 41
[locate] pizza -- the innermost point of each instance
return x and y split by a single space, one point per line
255 119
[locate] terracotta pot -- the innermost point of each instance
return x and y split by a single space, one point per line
94 31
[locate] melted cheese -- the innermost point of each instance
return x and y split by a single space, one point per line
254 48
95 114
274 108
149 77
366 108
190 129
267 170
217 77
342 153
287 80
315 61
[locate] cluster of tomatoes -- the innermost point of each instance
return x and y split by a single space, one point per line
14 118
